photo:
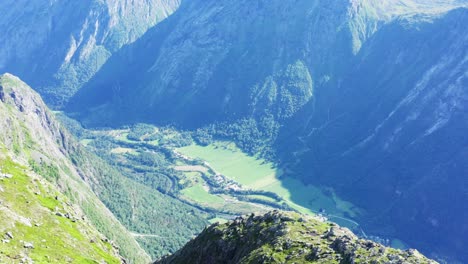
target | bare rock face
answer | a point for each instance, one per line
(2, 94)
(256, 239)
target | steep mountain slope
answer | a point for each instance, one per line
(392, 129)
(286, 238)
(34, 149)
(56, 46)
(239, 58)
(38, 223)
(209, 66)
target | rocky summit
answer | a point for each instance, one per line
(282, 237)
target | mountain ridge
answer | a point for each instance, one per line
(279, 237)
(32, 137)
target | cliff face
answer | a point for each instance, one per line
(286, 238)
(46, 199)
(57, 46)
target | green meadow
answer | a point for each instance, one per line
(199, 194)
(28, 211)
(254, 173)
(227, 159)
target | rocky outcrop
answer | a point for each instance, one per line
(286, 238)
(2, 94)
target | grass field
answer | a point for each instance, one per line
(191, 168)
(197, 193)
(227, 159)
(27, 211)
(85, 142)
(217, 220)
(121, 150)
(254, 173)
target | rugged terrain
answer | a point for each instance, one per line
(57, 46)
(392, 129)
(286, 238)
(238, 59)
(370, 98)
(48, 212)
(363, 99)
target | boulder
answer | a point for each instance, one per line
(28, 245)
(2, 94)
(8, 235)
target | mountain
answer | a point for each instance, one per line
(370, 97)
(239, 59)
(286, 238)
(48, 212)
(392, 129)
(40, 224)
(57, 46)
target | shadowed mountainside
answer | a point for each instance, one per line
(57, 46)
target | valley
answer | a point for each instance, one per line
(218, 179)
(161, 117)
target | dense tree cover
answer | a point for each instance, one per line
(139, 191)
(140, 130)
(178, 140)
(144, 208)
(254, 136)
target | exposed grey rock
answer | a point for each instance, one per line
(59, 214)
(2, 94)
(6, 176)
(9, 235)
(28, 245)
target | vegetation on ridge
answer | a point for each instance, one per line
(285, 238)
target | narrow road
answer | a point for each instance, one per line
(145, 235)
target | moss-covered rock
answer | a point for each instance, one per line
(280, 237)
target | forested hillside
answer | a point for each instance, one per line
(57, 46)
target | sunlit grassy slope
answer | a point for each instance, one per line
(200, 195)
(43, 226)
